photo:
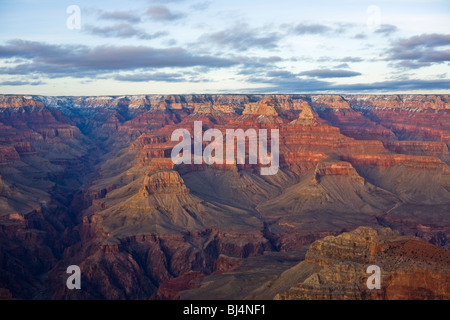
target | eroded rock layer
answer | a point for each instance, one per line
(410, 268)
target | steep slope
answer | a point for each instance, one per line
(44, 159)
(335, 268)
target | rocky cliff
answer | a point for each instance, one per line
(410, 268)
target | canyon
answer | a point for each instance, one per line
(89, 181)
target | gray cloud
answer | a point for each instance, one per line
(127, 16)
(342, 27)
(313, 28)
(80, 60)
(287, 85)
(156, 76)
(122, 30)
(344, 60)
(28, 49)
(329, 73)
(162, 13)
(20, 83)
(303, 28)
(268, 60)
(425, 40)
(281, 74)
(350, 59)
(200, 6)
(400, 85)
(386, 29)
(420, 51)
(161, 77)
(297, 85)
(360, 36)
(241, 37)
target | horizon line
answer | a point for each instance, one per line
(228, 94)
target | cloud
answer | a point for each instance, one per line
(304, 28)
(313, 28)
(27, 49)
(80, 61)
(360, 36)
(425, 40)
(386, 29)
(298, 85)
(342, 27)
(20, 83)
(267, 60)
(350, 59)
(329, 73)
(282, 81)
(145, 77)
(200, 6)
(122, 30)
(399, 85)
(286, 85)
(420, 51)
(281, 74)
(344, 60)
(241, 37)
(127, 16)
(161, 77)
(162, 13)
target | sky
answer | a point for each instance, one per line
(85, 47)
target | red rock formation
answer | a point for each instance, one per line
(435, 102)
(12, 101)
(329, 101)
(264, 107)
(162, 182)
(8, 154)
(337, 168)
(379, 160)
(410, 268)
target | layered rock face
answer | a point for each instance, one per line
(164, 182)
(90, 181)
(410, 268)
